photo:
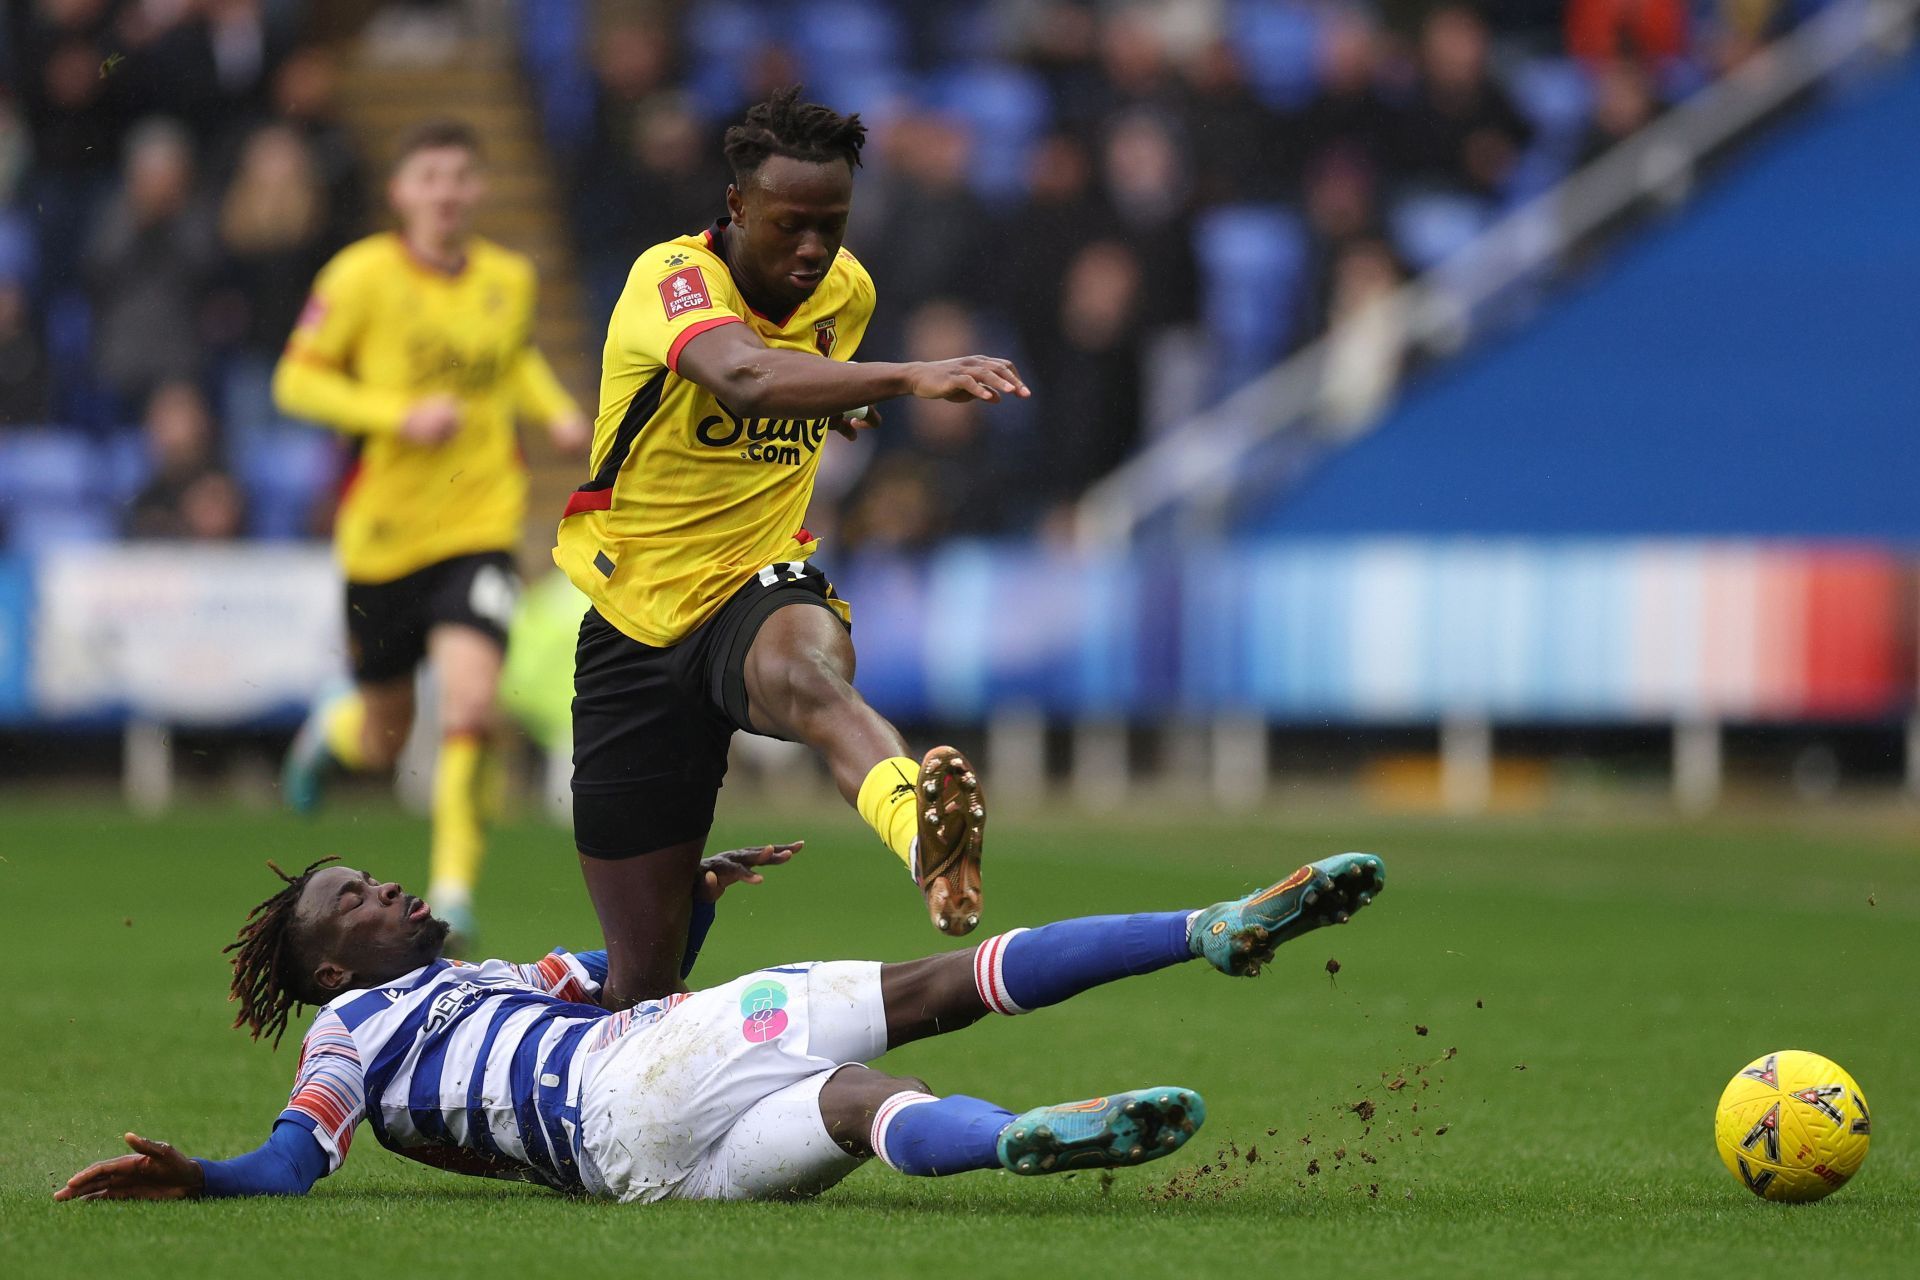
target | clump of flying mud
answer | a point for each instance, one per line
(1363, 1145)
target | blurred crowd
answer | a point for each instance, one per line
(172, 175)
(1144, 203)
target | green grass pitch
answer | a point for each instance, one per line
(1599, 983)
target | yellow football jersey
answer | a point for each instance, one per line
(384, 330)
(689, 499)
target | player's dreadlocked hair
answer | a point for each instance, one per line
(269, 975)
(785, 126)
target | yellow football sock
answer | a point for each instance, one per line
(886, 803)
(346, 727)
(459, 844)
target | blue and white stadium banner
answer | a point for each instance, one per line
(1420, 630)
(1300, 632)
(1356, 631)
(184, 634)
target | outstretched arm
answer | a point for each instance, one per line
(752, 378)
(287, 1164)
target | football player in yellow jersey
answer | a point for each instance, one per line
(728, 359)
(416, 342)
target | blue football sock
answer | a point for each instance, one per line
(930, 1137)
(1032, 968)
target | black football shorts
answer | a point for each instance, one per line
(388, 622)
(651, 725)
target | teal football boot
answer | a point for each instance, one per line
(303, 774)
(1238, 937)
(1102, 1133)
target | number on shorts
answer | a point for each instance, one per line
(786, 571)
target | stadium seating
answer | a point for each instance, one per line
(120, 466)
(284, 469)
(1557, 97)
(1251, 260)
(1431, 227)
(34, 527)
(1686, 390)
(1280, 44)
(1257, 295)
(69, 338)
(50, 490)
(1007, 109)
(719, 48)
(61, 486)
(19, 256)
(44, 466)
(834, 37)
(554, 44)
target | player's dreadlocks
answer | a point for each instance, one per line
(269, 978)
(785, 126)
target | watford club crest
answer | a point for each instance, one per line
(823, 335)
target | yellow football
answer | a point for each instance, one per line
(1792, 1126)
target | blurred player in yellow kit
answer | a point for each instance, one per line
(728, 359)
(417, 343)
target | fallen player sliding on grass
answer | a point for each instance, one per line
(755, 1089)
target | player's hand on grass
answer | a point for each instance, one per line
(432, 421)
(572, 435)
(740, 866)
(967, 378)
(852, 424)
(155, 1172)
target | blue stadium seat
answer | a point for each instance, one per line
(79, 398)
(958, 31)
(728, 30)
(19, 256)
(283, 471)
(69, 327)
(834, 37)
(871, 91)
(49, 466)
(721, 42)
(121, 464)
(553, 43)
(1252, 259)
(1555, 94)
(1008, 110)
(39, 526)
(1429, 229)
(1279, 42)
(713, 87)
(1682, 78)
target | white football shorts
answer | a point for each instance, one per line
(718, 1098)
